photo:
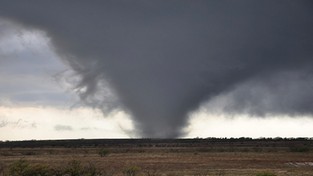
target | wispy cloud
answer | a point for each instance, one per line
(3, 123)
(63, 128)
(20, 123)
(88, 128)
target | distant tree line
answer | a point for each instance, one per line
(147, 142)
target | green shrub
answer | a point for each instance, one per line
(91, 170)
(38, 170)
(301, 149)
(74, 168)
(103, 152)
(131, 171)
(23, 168)
(18, 168)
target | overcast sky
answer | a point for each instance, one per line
(119, 69)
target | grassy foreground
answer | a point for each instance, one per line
(133, 160)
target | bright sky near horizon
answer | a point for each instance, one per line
(39, 100)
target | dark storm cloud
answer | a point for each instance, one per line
(290, 93)
(279, 93)
(164, 58)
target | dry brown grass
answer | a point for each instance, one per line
(162, 161)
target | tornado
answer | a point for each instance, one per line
(161, 60)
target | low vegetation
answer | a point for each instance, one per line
(103, 152)
(72, 168)
(149, 157)
(131, 171)
(300, 149)
(266, 174)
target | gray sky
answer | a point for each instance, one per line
(159, 62)
(28, 69)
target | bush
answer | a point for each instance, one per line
(19, 168)
(301, 149)
(23, 168)
(73, 168)
(103, 152)
(1, 169)
(28, 153)
(131, 171)
(38, 170)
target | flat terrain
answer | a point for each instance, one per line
(223, 158)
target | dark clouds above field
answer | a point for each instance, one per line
(162, 60)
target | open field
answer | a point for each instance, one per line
(162, 157)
